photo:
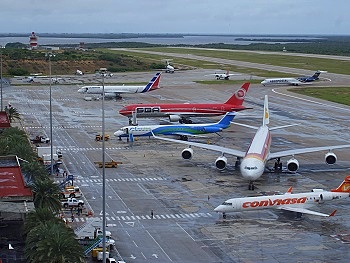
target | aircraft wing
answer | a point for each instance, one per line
(188, 134)
(215, 148)
(304, 211)
(296, 82)
(305, 150)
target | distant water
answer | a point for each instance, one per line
(186, 40)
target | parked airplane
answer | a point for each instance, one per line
(225, 76)
(253, 161)
(115, 91)
(183, 111)
(292, 81)
(291, 202)
(182, 130)
(168, 68)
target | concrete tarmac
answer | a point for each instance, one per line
(153, 175)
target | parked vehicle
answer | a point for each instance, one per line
(72, 202)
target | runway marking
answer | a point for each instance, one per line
(127, 219)
(63, 126)
(58, 181)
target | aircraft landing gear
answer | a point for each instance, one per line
(186, 121)
(251, 186)
(238, 162)
(278, 165)
(224, 215)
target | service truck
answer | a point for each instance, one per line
(44, 154)
(70, 191)
(72, 202)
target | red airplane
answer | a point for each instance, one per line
(183, 111)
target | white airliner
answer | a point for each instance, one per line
(292, 81)
(115, 91)
(253, 160)
(225, 76)
(298, 203)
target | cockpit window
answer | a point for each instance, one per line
(227, 203)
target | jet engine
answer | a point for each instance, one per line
(330, 158)
(174, 118)
(221, 163)
(292, 165)
(187, 153)
(323, 196)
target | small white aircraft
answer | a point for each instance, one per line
(115, 91)
(79, 72)
(168, 68)
(293, 81)
(298, 203)
(253, 161)
(226, 75)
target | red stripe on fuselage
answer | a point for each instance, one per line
(262, 155)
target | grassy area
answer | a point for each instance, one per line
(335, 94)
(179, 62)
(331, 65)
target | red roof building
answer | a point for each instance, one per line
(12, 186)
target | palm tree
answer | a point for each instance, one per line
(46, 195)
(12, 113)
(34, 171)
(40, 216)
(52, 243)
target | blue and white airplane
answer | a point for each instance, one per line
(293, 81)
(116, 91)
(182, 130)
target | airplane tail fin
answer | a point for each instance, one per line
(344, 187)
(153, 84)
(317, 74)
(266, 117)
(238, 97)
(226, 120)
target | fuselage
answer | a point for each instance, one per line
(280, 81)
(180, 109)
(111, 89)
(253, 163)
(184, 129)
(301, 200)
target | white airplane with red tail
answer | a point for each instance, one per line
(298, 203)
(253, 161)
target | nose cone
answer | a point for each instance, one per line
(220, 208)
(81, 90)
(119, 133)
(252, 168)
(263, 82)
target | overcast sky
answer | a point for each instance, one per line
(176, 16)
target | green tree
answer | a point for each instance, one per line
(12, 113)
(52, 243)
(46, 195)
(40, 216)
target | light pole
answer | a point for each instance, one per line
(1, 74)
(49, 55)
(103, 172)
